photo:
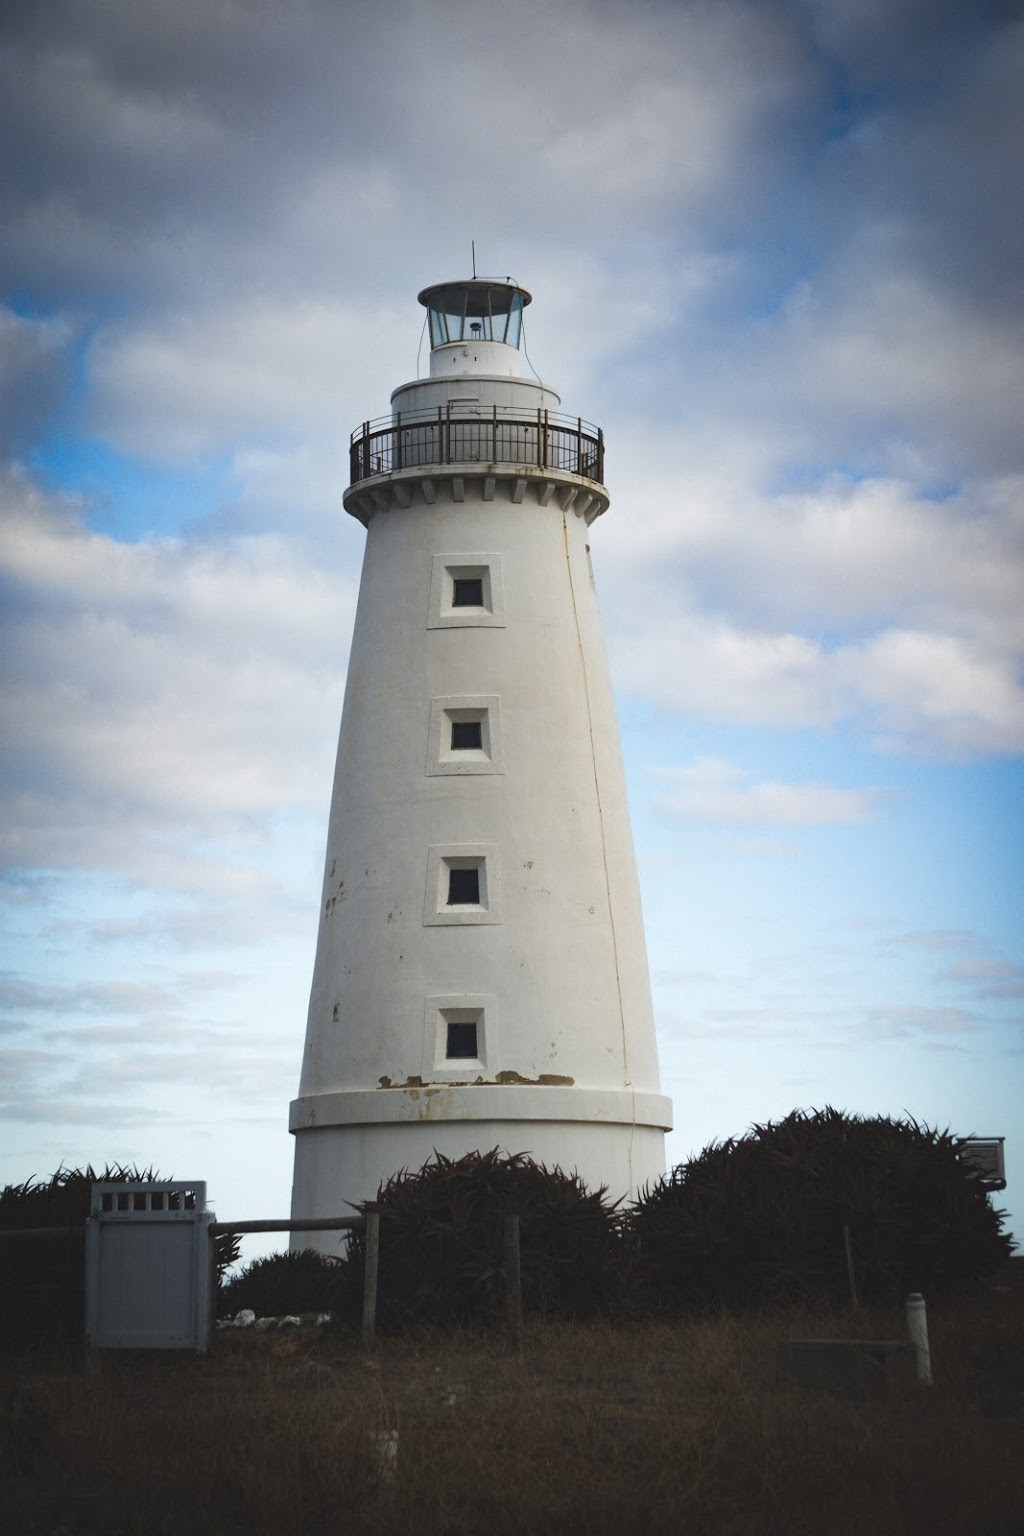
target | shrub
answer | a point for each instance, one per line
(761, 1219)
(283, 1283)
(442, 1233)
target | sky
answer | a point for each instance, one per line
(775, 248)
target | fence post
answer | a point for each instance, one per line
(851, 1273)
(917, 1331)
(370, 1276)
(513, 1280)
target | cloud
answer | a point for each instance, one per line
(224, 145)
(899, 1021)
(713, 666)
(23, 996)
(259, 371)
(989, 978)
(858, 602)
(161, 690)
(942, 940)
(938, 690)
(257, 240)
(34, 371)
(710, 789)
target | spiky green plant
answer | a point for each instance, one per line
(441, 1241)
(761, 1218)
(279, 1283)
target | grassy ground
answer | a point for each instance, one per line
(640, 1428)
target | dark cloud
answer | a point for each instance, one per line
(173, 149)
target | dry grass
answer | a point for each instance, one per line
(640, 1428)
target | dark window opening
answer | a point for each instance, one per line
(467, 591)
(467, 736)
(464, 887)
(461, 1042)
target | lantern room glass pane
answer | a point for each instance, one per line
(454, 301)
(438, 334)
(475, 312)
(515, 320)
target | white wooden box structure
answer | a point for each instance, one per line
(148, 1282)
(987, 1155)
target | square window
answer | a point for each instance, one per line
(460, 1038)
(464, 887)
(467, 592)
(464, 735)
(461, 1042)
(467, 736)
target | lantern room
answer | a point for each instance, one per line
(475, 326)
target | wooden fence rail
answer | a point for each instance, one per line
(370, 1223)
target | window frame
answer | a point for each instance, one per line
(449, 709)
(445, 570)
(443, 857)
(440, 1010)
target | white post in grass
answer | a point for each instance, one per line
(917, 1332)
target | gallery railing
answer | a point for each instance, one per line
(455, 434)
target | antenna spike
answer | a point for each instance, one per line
(473, 247)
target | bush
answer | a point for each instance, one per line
(284, 1283)
(441, 1242)
(761, 1219)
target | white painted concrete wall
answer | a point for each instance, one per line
(556, 966)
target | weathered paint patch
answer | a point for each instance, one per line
(545, 1080)
(503, 1080)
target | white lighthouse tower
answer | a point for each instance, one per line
(481, 974)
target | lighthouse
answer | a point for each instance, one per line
(481, 974)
